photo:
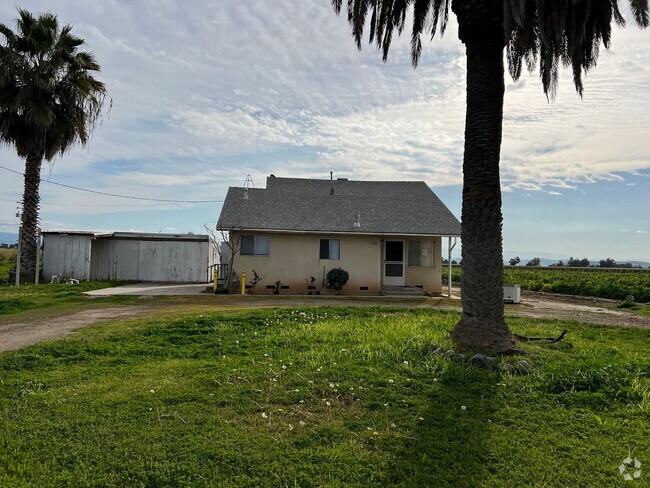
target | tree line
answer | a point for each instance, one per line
(575, 263)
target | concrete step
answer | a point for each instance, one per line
(410, 291)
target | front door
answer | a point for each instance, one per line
(394, 263)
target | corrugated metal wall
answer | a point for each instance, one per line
(149, 260)
(67, 255)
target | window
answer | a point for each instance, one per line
(254, 245)
(415, 250)
(330, 249)
(420, 253)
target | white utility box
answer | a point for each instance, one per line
(512, 293)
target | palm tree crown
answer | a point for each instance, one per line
(547, 33)
(49, 101)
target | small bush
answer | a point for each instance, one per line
(336, 278)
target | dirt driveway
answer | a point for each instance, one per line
(15, 335)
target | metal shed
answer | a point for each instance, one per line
(181, 258)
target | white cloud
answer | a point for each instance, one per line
(641, 231)
(526, 186)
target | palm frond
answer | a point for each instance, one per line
(556, 33)
(49, 99)
(388, 17)
(640, 12)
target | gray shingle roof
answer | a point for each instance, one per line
(304, 205)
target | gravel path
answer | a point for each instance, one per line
(18, 335)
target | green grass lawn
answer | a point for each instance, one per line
(320, 397)
(28, 297)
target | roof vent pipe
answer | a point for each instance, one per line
(332, 191)
(246, 193)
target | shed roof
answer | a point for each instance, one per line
(309, 205)
(155, 236)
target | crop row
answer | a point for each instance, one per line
(609, 283)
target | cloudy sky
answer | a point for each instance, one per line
(205, 93)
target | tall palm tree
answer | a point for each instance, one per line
(49, 101)
(540, 32)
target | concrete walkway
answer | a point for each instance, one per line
(151, 289)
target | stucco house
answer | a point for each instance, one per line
(383, 233)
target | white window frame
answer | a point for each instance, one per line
(331, 249)
(258, 245)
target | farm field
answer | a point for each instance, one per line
(7, 260)
(617, 284)
(332, 396)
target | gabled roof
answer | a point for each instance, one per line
(306, 205)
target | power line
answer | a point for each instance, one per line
(90, 204)
(164, 200)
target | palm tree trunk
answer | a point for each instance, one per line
(482, 326)
(31, 203)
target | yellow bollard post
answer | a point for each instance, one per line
(243, 282)
(215, 278)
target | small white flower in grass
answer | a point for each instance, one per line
(435, 380)
(406, 362)
(150, 409)
(236, 342)
(391, 381)
(463, 407)
(302, 423)
(266, 355)
(264, 416)
(284, 366)
(290, 427)
(393, 425)
(152, 391)
(327, 403)
(223, 356)
(331, 385)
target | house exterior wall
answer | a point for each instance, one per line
(429, 274)
(293, 258)
(149, 260)
(66, 255)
